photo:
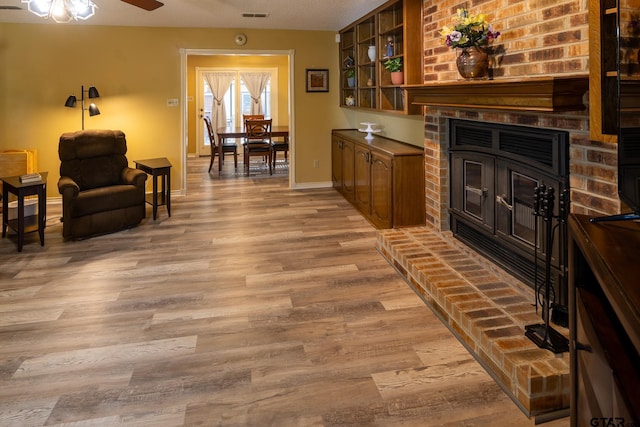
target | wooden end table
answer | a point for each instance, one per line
(161, 168)
(21, 225)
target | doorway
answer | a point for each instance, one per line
(192, 123)
(237, 101)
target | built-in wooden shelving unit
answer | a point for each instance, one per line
(398, 22)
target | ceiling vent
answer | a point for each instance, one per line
(254, 15)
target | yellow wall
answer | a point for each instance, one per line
(136, 71)
(280, 62)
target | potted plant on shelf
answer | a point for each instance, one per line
(394, 66)
(350, 73)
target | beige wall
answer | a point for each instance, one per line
(136, 71)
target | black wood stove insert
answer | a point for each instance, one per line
(509, 195)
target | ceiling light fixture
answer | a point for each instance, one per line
(62, 10)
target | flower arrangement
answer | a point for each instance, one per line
(469, 31)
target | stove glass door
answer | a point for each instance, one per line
(523, 220)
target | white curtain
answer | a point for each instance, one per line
(256, 83)
(219, 82)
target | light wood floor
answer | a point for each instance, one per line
(253, 305)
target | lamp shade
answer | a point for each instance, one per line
(93, 110)
(71, 101)
(93, 92)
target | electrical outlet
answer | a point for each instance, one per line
(172, 102)
(316, 164)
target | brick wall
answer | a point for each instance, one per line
(539, 37)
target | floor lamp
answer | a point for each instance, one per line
(92, 92)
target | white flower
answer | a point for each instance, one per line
(455, 36)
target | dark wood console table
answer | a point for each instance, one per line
(24, 224)
(604, 322)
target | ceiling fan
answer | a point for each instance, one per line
(148, 5)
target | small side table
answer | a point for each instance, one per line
(159, 167)
(21, 225)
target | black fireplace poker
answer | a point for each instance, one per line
(543, 335)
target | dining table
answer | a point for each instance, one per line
(240, 132)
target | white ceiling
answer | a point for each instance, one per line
(330, 15)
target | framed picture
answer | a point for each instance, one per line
(317, 80)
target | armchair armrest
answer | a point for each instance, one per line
(134, 176)
(69, 190)
(68, 187)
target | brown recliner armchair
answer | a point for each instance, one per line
(100, 192)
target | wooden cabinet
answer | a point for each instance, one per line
(381, 194)
(336, 162)
(383, 178)
(362, 175)
(394, 30)
(342, 162)
(604, 322)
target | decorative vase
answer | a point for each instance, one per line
(351, 81)
(472, 63)
(372, 53)
(397, 77)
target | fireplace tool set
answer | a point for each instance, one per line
(543, 335)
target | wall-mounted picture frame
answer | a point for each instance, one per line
(317, 80)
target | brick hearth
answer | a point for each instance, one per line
(487, 309)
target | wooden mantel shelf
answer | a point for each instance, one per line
(547, 94)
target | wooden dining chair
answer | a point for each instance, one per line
(257, 142)
(246, 117)
(227, 147)
(279, 145)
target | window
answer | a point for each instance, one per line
(237, 100)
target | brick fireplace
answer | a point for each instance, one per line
(486, 308)
(544, 78)
(592, 165)
(537, 40)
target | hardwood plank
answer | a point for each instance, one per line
(253, 304)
